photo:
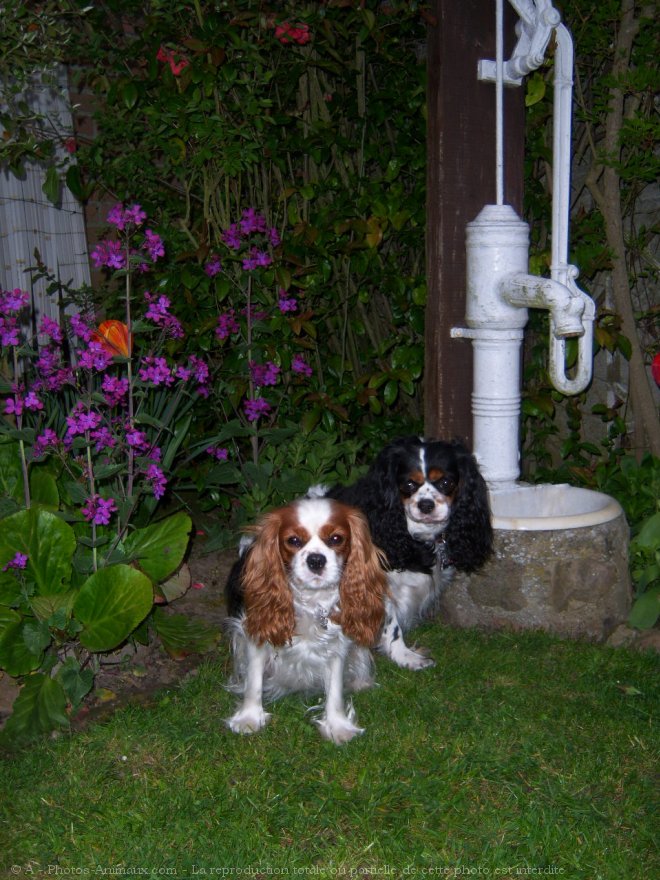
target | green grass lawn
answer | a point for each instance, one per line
(517, 755)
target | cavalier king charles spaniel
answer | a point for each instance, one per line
(305, 602)
(428, 511)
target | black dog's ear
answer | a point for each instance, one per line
(469, 535)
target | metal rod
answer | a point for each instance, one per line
(499, 103)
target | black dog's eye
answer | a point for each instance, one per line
(294, 541)
(410, 487)
(445, 485)
(335, 540)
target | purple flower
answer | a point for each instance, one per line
(254, 409)
(227, 324)
(213, 267)
(99, 510)
(43, 442)
(156, 371)
(81, 327)
(137, 439)
(96, 357)
(256, 259)
(103, 438)
(232, 237)
(218, 452)
(51, 328)
(14, 405)
(121, 218)
(32, 401)
(287, 304)
(251, 221)
(18, 562)
(157, 479)
(158, 312)
(9, 331)
(153, 245)
(264, 374)
(114, 389)
(110, 254)
(13, 301)
(300, 366)
(274, 237)
(81, 420)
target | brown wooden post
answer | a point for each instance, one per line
(460, 181)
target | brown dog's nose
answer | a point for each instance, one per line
(316, 562)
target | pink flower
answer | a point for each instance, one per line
(43, 442)
(287, 32)
(114, 390)
(655, 369)
(177, 62)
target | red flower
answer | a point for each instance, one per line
(177, 62)
(113, 336)
(655, 369)
(293, 33)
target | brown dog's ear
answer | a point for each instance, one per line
(363, 586)
(268, 599)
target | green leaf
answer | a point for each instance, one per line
(110, 604)
(182, 636)
(646, 609)
(77, 682)
(160, 547)
(44, 607)
(535, 90)
(43, 489)
(129, 94)
(37, 637)
(11, 477)
(649, 535)
(49, 544)
(15, 656)
(39, 708)
(51, 185)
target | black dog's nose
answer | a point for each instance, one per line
(316, 562)
(426, 505)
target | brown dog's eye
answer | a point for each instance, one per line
(335, 540)
(294, 541)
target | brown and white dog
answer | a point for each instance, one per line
(305, 603)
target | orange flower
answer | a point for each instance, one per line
(115, 338)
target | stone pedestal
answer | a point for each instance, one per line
(573, 582)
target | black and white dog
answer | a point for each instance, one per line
(427, 507)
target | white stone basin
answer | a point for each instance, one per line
(538, 508)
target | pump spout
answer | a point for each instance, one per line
(533, 292)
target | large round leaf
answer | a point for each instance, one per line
(49, 544)
(159, 548)
(110, 604)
